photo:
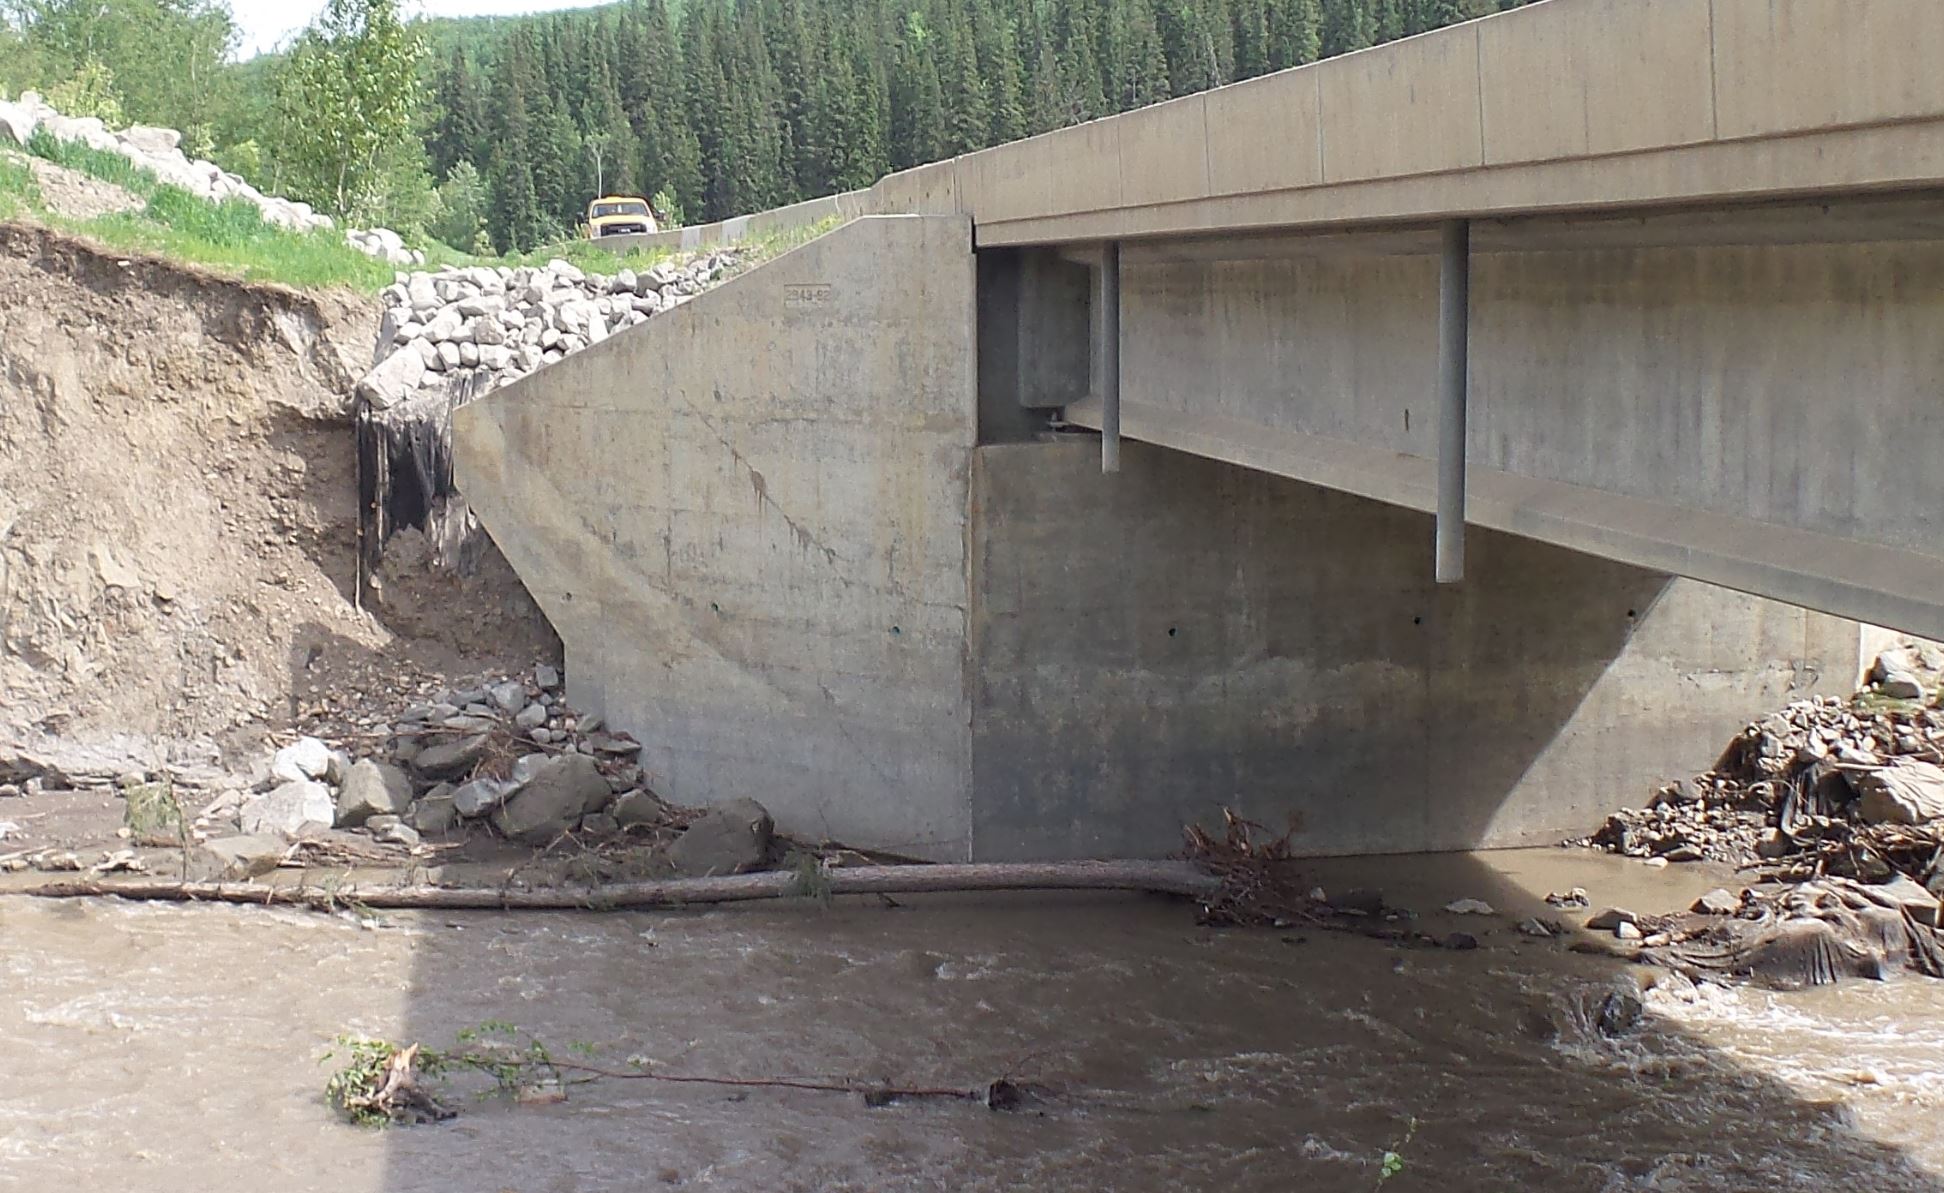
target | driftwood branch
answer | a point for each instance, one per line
(1165, 877)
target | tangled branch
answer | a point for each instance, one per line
(381, 1083)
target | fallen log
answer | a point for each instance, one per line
(1164, 877)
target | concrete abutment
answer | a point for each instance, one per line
(807, 538)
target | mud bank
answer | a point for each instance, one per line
(178, 509)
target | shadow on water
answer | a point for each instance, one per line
(1177, 1056)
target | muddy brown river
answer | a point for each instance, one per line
(163, 1048)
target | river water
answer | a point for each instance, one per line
(151, 1047)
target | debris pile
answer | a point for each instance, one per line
(507, 759)
(1835, 810)
(1791, 936)
(509, 753)
(1853, 788)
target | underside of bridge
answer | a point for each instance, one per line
(1744, 395)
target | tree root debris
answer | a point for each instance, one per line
(380, 1083)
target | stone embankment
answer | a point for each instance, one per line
(159, 151)
(493, 325)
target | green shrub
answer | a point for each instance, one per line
(91, 92)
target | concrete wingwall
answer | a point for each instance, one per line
(747, 519)
(1151, 646)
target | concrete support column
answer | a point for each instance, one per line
(1454, 362)
(1107, 317)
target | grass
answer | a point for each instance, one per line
(586, 254)
(230, 237)
(774, 244)
(1870, 702)
(19, 195)
(95, 163)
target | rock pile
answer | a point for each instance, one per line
(508, 754)
(1824, 785)
(496, 325)
(384, 244)
(510, 750)
(159, 151)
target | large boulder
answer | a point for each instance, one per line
(17, 122)
(485, 330)
(444, 326)
(423, 294)
(576, 315)
(731, 839)
(451, 759)
(561, 791)
(150, 139)
(305, 758)
(1896, 676)
(396, 378)
(1905, 792)
(290, 810)
(436, 811)
(246, 856)
(372, 789)
(478, 797)
(640, 806)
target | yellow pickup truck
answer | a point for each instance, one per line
(618, 215)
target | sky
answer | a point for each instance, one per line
(264, 23)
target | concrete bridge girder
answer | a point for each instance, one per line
(1743, 396)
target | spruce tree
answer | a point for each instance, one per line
(1436, 14)
(1081, 94)
(996, 40)
(1250, 20)
(917, 103)
(1294, 35)
(608, 138)
(1345, 27)
(459, 130)
(1387, 20)
(962, 89)
(1144, 78)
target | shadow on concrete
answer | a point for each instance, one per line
(1187, 635)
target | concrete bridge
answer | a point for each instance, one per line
(1083, 485)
